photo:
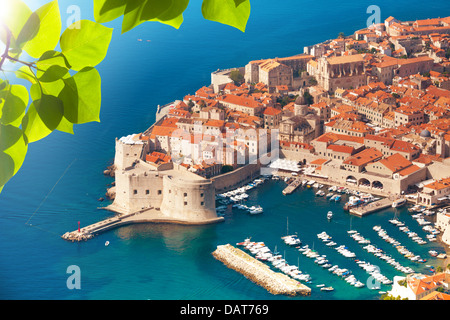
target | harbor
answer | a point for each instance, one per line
(275, 282)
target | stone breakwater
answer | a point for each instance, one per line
(258, 272)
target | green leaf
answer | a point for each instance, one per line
(52, 88)
(167, 12)
(25, 73)
(230, 12)
(49, 26)
(15, 101)
(108, 10)
(43, 116)
(163, 10)
(238, 2)
(13, 149)
(81, 96)
(6, 168)
(65, 126)
(86, 46)
(14, 15)
(132, 15)
(52, 66)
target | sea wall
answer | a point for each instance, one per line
(236, 178)
(258, 272)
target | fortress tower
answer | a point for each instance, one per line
(128, 150)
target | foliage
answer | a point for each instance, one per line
(64, 86)
(309, 98)
(312, 81)
(237, 77)
(226, 168)
(387, 296)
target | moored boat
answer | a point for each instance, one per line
(398, 203)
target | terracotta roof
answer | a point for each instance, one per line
(270, 111)
(364, 157)
(341, 148)
(241, 101)
(319, 161)
(436, 295)
(395, 162)
(157, 157)
(407, 171)
(440, 184)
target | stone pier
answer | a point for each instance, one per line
(258, 272)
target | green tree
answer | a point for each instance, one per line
(341, 35)
(64, 85)
(226, 168)
(237, 77)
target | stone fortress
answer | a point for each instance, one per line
(173, 194)
(167, 192)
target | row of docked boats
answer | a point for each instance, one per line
(359, 200)
(237, 196)
(261, 252)
(422, 209)
(371, 248)
(256, 209)
(395, 243)
(413, 235)
(322, 261)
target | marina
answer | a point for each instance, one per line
(230, 204)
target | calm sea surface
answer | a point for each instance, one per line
(62, 179)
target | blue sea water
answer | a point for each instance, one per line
(61, 179)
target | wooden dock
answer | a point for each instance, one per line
(371, 207)
(258, 272)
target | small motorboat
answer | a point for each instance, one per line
(327, 289)
(106, 243)
(329, 215)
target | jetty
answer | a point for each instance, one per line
(274, 282)
(371, 207)
(292, 186)
(148, 215)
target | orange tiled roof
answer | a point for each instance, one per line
(270, 111)
(395, 162)
(440, 184)
(364, 157)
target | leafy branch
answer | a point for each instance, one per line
(64, 86)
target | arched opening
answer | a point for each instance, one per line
(351, 180)
(363, 182)
(377, 185)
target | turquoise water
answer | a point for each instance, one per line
(61, 180)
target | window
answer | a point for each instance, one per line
(185, 203)
(202, 203)
(159, 192)
(147, 191)
(134, 191)
(185, 194)
(201, 195)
